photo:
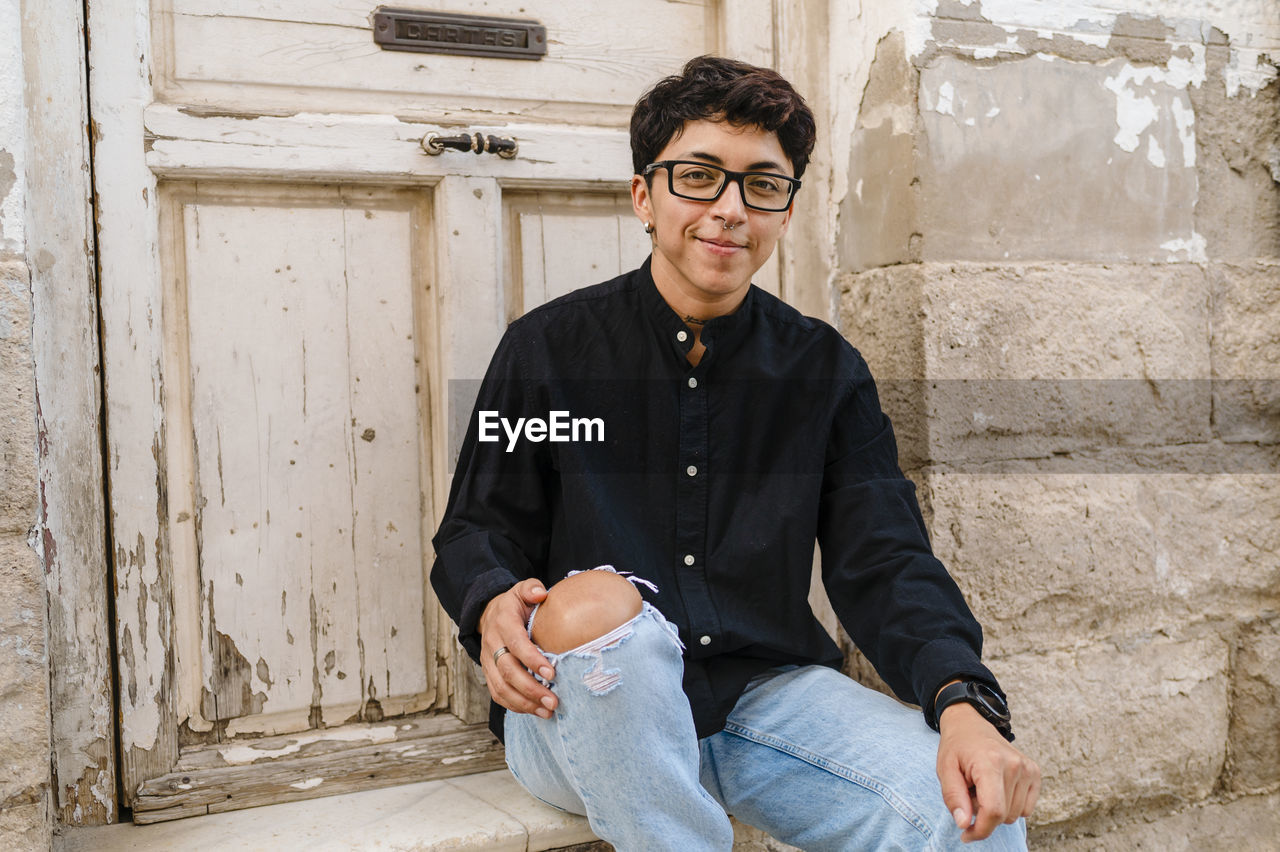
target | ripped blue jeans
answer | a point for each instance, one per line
(808, 755)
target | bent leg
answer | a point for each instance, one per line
(822, 762)
(621, 746)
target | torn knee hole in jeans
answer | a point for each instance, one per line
(598, 679)
(629, 576)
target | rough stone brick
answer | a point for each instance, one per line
(1022, 159)
(1238, 161)
(26, 828)
(1138, 721)
(879, 217)
(999, 142)
(24, 677)
(17, 402)
(1245, 351)
(881, 314)
(979, 362)
(1046, 559)
(1255, 708)
(1249, 824)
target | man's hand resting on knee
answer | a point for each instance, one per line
(982, 773)
(503, 625)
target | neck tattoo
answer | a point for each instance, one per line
(694, 320)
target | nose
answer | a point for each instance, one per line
(729, 207)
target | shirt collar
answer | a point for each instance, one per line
(720, 334)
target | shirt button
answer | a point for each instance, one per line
(682, 336)
(705, 640)
(691, 470)
(693, 383)
(688, 559)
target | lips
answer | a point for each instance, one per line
(722, 243)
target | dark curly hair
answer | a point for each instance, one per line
(719, 89)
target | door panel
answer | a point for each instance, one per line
(599, 57)
(562, 241)
(305, 381)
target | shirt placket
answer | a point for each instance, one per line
(692, 496)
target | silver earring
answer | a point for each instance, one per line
(648, 227)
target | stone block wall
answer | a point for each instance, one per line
(25, 815)
(25, 820)
(1059, 252)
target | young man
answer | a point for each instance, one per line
(736, 432)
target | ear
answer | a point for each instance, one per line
(640, 200)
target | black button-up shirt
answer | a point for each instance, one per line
(713, 482)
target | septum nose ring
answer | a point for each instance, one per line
(727, 226)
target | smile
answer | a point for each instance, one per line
(721, 246)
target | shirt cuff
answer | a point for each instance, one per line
(483, 589)
(941, 661)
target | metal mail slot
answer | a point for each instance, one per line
(468, 35)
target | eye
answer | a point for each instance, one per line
(698, 174)
(766, 184)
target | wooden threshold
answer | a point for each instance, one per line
(247, 773)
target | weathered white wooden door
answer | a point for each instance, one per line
(289, 285)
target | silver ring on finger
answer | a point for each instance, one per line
(498, 653)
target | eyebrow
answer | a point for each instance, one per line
(714, 160)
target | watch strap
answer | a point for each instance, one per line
(983, 698)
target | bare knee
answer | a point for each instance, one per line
(584, 607)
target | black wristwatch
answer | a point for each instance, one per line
(987, 701)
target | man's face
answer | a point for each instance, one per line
(693, 249)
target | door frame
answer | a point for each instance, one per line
(70, 530)
(119, 89)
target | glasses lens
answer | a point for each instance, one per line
(766, 191)
(695, 180)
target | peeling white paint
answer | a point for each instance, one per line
(1154, 153)
(1184, 118)
(1010, 46)
(450, 760)
(1248, 69)
(946, 99)
(1182, 72)
(1136, 88)
(13, 131)
(239, 755)
(1134, 112)
(1251, 26)
(141, 725)
(1187, 249)
(308, 784)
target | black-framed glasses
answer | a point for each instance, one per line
(704, 182)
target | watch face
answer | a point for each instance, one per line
(991, 699)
